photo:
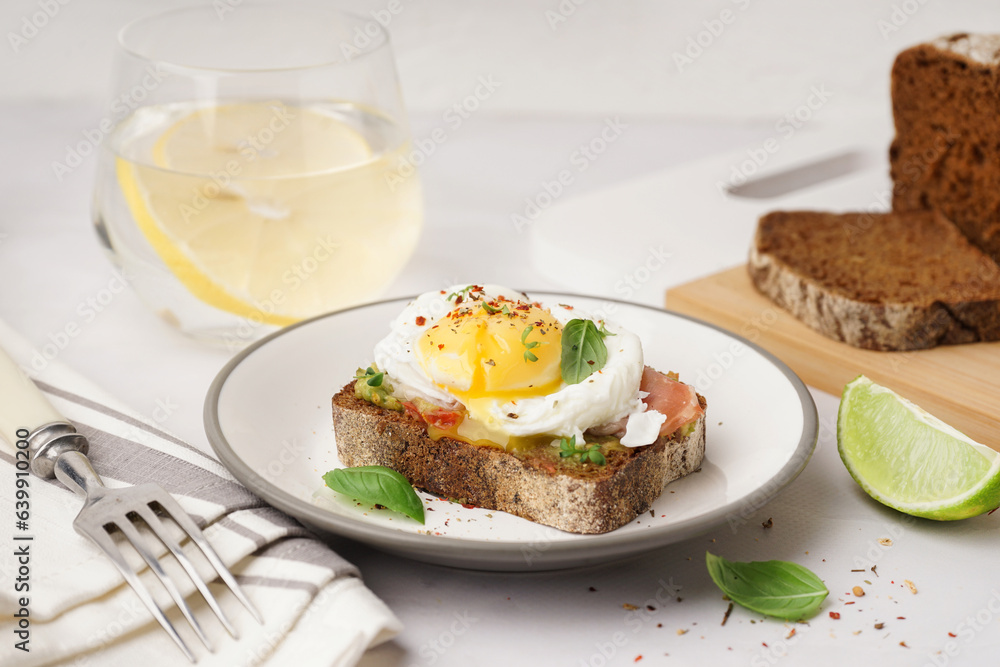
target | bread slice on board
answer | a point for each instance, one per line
(946, 152)
(879, 281)
(579, 498)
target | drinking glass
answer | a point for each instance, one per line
(256, 170)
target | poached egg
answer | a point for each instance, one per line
(495, 355)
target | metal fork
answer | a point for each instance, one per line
(57, 449)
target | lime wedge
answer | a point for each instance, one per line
(908, 459)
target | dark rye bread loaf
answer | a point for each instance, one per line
(579, 498)
(946, 152)
(892, 281)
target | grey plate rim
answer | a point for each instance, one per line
(483, 554)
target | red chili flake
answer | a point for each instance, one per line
(903, 644)
(441, 346)
(952, 634)
(638, 658)
(468, 506)
(421, 320)
(901, 618)
(790, 634)
(851, 602)
(442, 291)
(764, 644)
(835, 615)
(522, 306)
(566, 307)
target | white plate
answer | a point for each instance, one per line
(267, 415)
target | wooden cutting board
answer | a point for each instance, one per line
(959, 384)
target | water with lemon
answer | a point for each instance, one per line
(235, 219)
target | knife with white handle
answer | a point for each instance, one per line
(26, 415)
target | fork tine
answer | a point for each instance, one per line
(108, 546)
(177, 513)
(154, 523)
(133, 536)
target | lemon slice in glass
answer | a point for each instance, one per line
(258, 209)
(906, 458)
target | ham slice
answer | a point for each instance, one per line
(676, 400)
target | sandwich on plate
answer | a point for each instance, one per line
(485, 396)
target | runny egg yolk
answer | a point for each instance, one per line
(489, 351)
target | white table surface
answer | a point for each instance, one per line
(51, 267)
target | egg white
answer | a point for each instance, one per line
(606, 396)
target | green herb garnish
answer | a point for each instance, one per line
(774, 587)
(592, 454)
(377, 485)
(372, 386)
(464, 292)
(583, 350)
(505, 309)
(490, 309)
(529, 346)
(372, 377)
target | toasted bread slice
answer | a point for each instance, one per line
(537, 485)
(881, 281)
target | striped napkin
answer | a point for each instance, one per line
(316, 609)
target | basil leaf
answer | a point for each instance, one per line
(377, 485)
(583, 351)
(774, 587)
